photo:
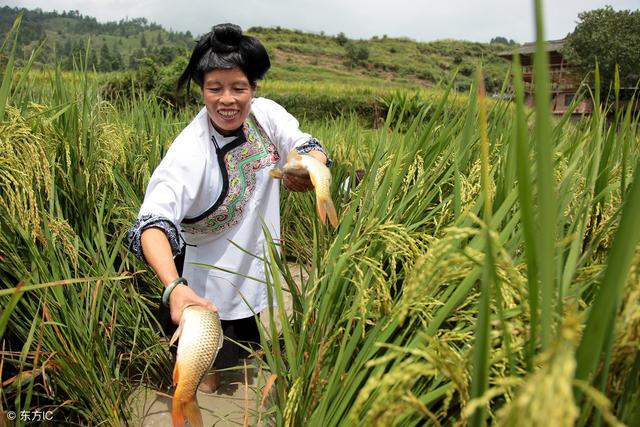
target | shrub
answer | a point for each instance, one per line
(357, 53)
(151, 78)
(341, 39)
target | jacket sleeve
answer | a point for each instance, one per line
(285, 130)
(171, 192)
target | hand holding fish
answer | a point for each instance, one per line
(158, 254)
(182, 297)
(301, 181)
(303, 166)
(297, 183)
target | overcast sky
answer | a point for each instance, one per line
(476, 20)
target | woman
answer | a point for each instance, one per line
(207, 199)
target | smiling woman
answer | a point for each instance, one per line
(227, 96)
(208, 198)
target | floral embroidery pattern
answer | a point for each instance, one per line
(242, 164)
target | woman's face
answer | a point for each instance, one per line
(227, 95)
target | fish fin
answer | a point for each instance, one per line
(176, 374)
(176, 334)
(276, 173)
(331, 212)
(193, 413)
(322, 210)
(220, 341)
(177, 405)
(326, 208)
(177, 413)
(184, 409)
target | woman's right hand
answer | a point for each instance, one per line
(183, 296)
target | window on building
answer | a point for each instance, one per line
(568, 98)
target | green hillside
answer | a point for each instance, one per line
(296, 56)
(113, 46)
(401, 61)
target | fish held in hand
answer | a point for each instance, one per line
(201, 337)
(308, 166)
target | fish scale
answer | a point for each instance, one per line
(201, 337)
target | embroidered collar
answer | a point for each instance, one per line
(238, 136)
(239, 163)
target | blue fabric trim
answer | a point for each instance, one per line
(153, 221)
(313, 145)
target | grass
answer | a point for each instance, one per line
(479, 274)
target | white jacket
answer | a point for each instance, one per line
(189, 181)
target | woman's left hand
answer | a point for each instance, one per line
(302, 183)
(297, 183)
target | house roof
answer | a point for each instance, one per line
(530, 48)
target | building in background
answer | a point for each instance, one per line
(565, 79)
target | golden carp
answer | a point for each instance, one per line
(201, 337)
(308, 166)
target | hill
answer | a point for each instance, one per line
(399, 61)
(112, 46)
(296, 55)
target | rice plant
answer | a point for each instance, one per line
(443, 241)
(77, 322)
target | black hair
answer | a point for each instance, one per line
(225, 47)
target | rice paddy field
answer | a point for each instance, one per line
(486, 269)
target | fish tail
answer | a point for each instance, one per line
(192, 411)
(177, 407)
(177, 413)
(185, 409)
(333, 216)
(326, 208)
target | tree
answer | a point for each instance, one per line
(67, 48)
(105, 58)
(357, 53)
(608, 38)
(341, 39)
(116, 60)
(166, 54)
(135, 59)
(503, 40)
